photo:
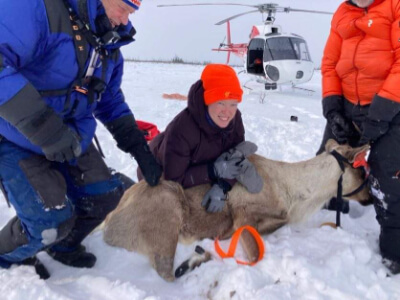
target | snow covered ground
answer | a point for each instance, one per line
(303, 261)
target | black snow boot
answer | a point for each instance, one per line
(40, 269)
(78, 258)
(332, 205)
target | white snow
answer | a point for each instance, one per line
(49, 236)
(303, 261)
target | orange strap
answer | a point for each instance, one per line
(235, 240)
(81, 90)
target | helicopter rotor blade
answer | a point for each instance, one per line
(288, 9)
(198, 4)
(270, 8)
(236, 16)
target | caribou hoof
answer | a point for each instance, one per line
(200, 256)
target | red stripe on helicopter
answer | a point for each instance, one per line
(254, 32)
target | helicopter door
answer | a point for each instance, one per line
(255, 54)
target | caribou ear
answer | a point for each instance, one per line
(331, 145)
(352, 153)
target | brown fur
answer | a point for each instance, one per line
(150, 220)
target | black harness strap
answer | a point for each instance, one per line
(83, 11)
(339, 196)
(59, 22)
(82, 26)
(81, 37)
(359, 189)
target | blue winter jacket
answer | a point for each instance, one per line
(33, 50)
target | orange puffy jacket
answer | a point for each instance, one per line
(362, 54)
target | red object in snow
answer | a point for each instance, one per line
(150, 130)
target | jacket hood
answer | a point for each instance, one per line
(376, 2)
(197, 109)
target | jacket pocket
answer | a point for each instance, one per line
(49, 183)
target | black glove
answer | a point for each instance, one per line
(63, 146)
(41, 125)
(380, 115)
(151, 170)
(372, 131)
(214, 199)
(131, 139)
(342, 128)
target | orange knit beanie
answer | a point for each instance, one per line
(220, 83)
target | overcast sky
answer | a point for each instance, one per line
(190, 33)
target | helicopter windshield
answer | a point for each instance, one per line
(282, 48)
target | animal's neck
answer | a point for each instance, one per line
(310, 184)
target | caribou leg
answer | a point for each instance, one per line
(200, 256)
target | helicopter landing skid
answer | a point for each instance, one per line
(261, 95)
(303, 89)
(245, 86)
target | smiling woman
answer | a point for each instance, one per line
(196, 146)
(222, 93)
(222, 112)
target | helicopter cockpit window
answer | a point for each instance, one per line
(281, 48)
(300, 47)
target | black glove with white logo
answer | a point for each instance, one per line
(131, 139)
(41, 125)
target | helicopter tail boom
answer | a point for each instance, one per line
(239, 50)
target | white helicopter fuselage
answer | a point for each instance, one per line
(271, 56)
(285, 57)
(294, 72)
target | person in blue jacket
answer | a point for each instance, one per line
(60, 70)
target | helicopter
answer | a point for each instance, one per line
(271, 56)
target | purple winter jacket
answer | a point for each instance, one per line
(190, 142)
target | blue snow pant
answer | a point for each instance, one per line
(384, 179)
(57, 204)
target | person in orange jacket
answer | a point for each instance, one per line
(361, 102)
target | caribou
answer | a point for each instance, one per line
(152, 220)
